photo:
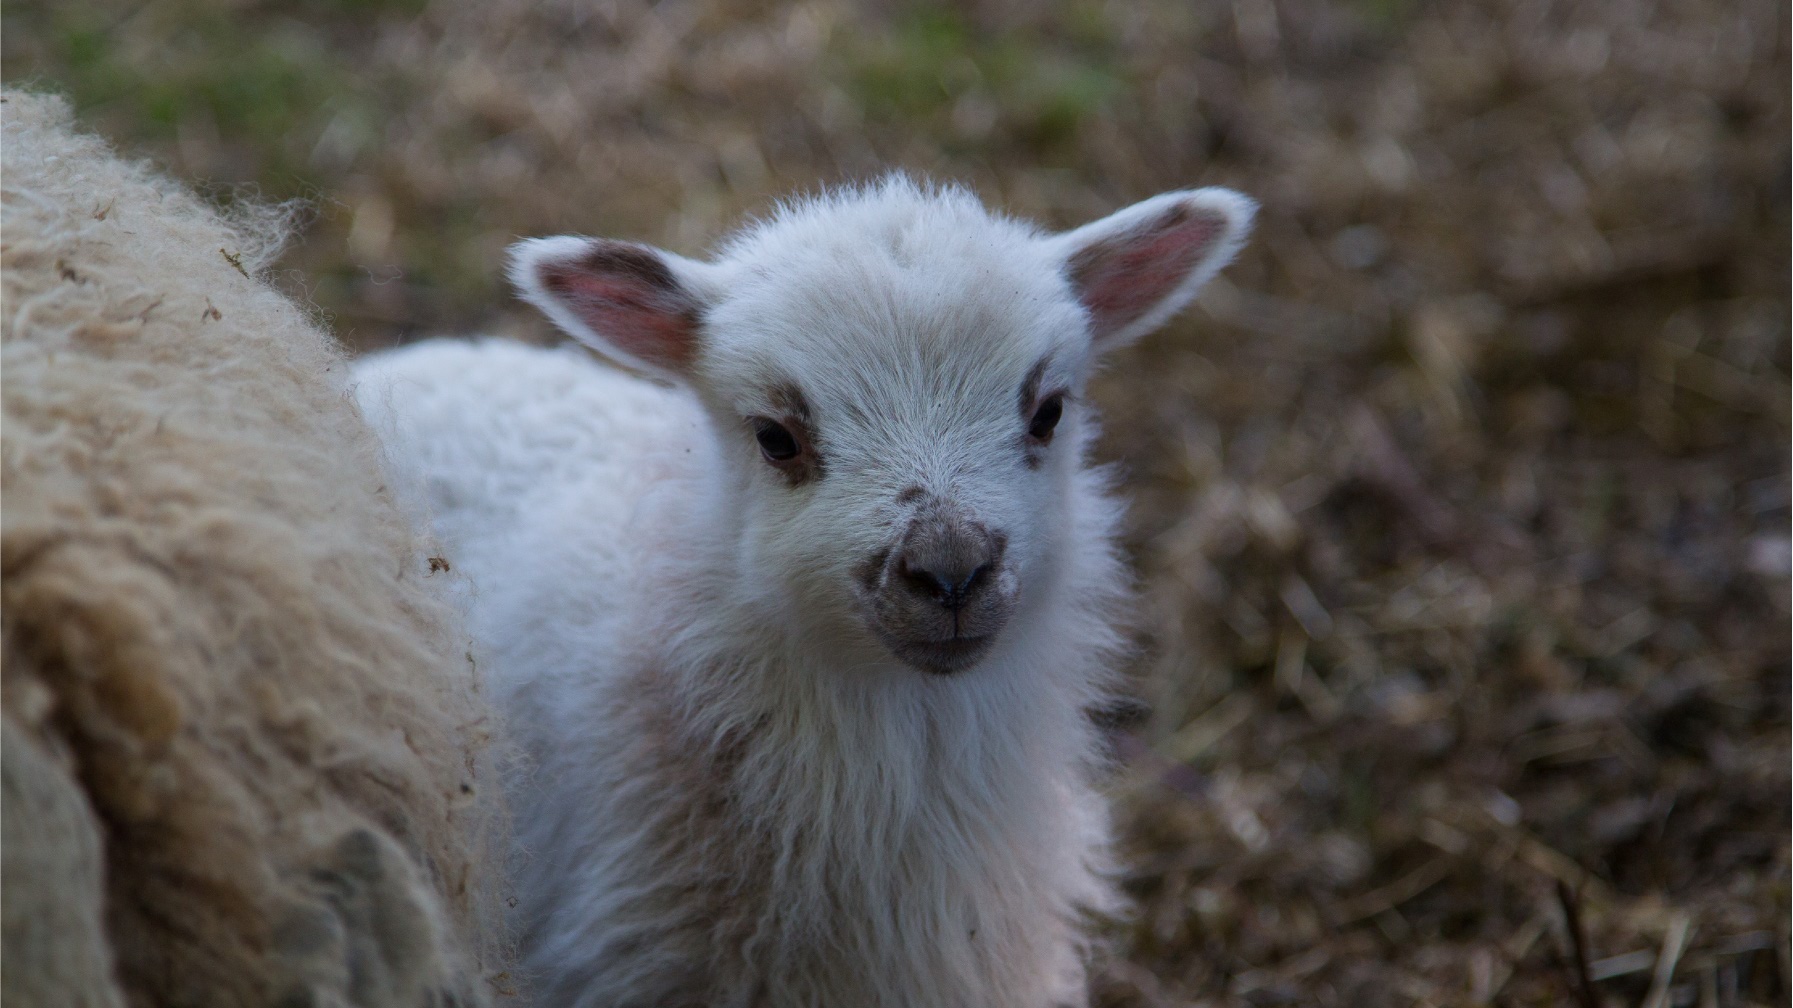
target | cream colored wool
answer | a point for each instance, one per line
(242, 728)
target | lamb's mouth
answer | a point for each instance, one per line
(940, 657)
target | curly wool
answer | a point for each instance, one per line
(244, 740)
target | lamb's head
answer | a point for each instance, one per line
(895, 374)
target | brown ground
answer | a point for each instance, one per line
(1462, 500)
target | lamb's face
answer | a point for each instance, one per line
(896, 377)
(903, 435)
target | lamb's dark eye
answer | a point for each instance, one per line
(1046, 417)
(777, 442)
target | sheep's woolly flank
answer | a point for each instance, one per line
(820, 741)
(243, 740)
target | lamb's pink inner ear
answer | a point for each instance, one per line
(627, 295)
(1121, 278)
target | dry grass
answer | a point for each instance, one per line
(1462, 503)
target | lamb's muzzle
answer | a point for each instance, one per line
(941, 597)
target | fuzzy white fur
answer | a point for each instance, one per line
(738, 796)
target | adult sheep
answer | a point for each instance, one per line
(242, 737)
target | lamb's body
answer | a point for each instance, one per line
(489, 430)
(844, 835)
(739, 795)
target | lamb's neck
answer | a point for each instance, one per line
(804, 701)
(861, 729)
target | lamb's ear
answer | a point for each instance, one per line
(638, 305)
(1133, 269)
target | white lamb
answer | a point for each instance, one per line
(803, 644)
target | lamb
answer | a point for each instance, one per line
(244, 748)
(802, 635)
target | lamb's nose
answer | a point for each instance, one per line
(948, 558)
(950, 585)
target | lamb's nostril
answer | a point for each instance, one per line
(948, 588)
(972, 580)
(921, 580)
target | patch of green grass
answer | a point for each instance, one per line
(1384, 15)
(268, 86)
(1041, 84)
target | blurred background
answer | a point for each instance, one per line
(1461, 500)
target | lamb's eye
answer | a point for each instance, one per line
(776, 442)
(1046, 417)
